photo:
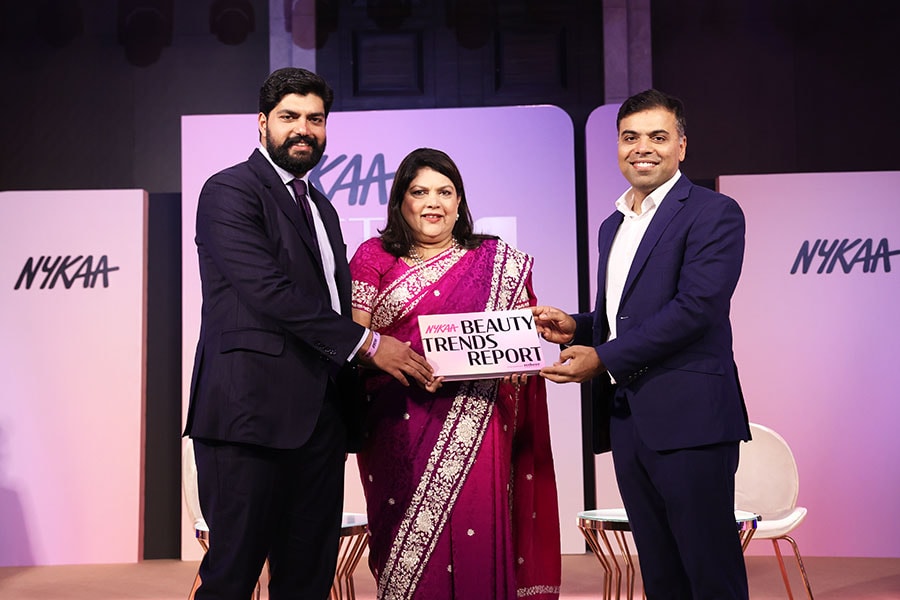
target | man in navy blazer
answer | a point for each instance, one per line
(269, 400)
(658, 350)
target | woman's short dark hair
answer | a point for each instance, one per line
(397, 236)
(293, 80)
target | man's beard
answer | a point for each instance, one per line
(281, 155)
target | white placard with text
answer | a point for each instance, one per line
(481, 345)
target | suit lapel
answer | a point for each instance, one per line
(608, 230)
(664, 215)
(283, 199)
(286, 204)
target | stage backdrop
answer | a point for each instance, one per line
(815, 323)
(71, 362)
(517, 165)
(605, 183)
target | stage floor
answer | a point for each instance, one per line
(831, 578)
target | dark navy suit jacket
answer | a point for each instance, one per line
(672, 357)
(269, 339)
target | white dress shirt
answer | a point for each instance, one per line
(324, 246)
(625, 244)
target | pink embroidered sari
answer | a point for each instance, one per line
(459, 485)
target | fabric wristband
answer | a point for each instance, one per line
(376, 338)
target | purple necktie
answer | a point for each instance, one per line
(300, 190)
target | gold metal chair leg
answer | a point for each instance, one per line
(746, 536)
(784, 575)
(194, 587)
(204, 543)
(803, 575)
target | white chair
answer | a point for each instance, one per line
(768, 483)
(191, 495)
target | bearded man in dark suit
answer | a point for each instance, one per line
(277, 350)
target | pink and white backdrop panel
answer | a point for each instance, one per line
(605, 183)
(816, 341)
(518, 167)
(71, 362)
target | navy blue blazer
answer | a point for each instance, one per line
(672, 356)
(269, 338)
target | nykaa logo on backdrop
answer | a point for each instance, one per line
(52, 271)
(352, 179)
(859, 255)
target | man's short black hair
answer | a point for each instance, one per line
(293, 80)
(649, 99)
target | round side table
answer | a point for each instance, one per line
(594, 525)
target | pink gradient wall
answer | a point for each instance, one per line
(518, 168)
(605, 184)
(818, 352)
(71, 363)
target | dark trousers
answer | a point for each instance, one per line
(680, 504)
(284, 505)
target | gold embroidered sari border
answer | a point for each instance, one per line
(445, 473)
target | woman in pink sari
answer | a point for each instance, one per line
(458, 478)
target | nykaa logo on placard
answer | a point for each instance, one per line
(51, 271)
(863, 255)
(440, 328)
(351, 178)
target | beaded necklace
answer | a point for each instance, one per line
(419, 260)
(431, 272)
